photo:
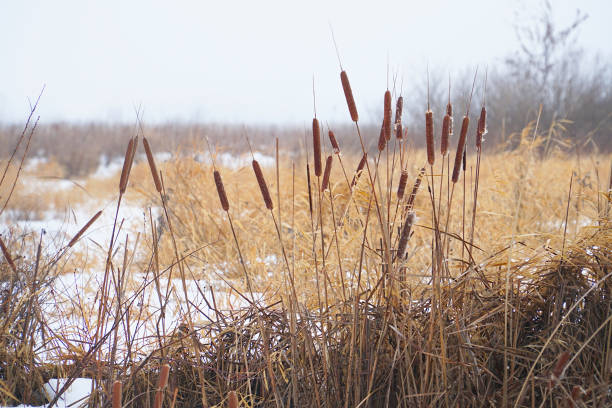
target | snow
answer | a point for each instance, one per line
(75, 396)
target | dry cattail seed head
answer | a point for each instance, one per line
(399, 132)
(127, 164)
(559, 368)
(360, 167)
(399, 106)
(117, 390)
(309, 188)
(401, 188)
(348, 94)
(334, 142)
(263, 187)
(445, 135)
(464, 160)
(221, 191)
(161, 384)
(85, 228)
(387, 115)
(482, 127)
(328, 165)
(415, 189)
(405, 235)
(460, 147)
(232, 400)
(152, 166)
(449, 112)
(316, 145)
(431, 154)
(7, 255)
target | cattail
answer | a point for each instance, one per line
(431, 155)
(221, 191)
(348, 94)
(460, 147)
(161, 384)
(309, 188)
(399, 132)
(402, 184)
(117, 389)
(464, 161)
(399, 106)
(360, 167)
(127, 164)
(577, 394)
(482, 127)
(445, 134)
(449, 112)
(85, 228)
(152, 166)
(415, 188)
(559, 368)
(316, 145)
(334, 142)
(405, 235)
(232, 400)
(262, 185)
(7, 255)
(382, 139)
(328, 165)
(387, 115)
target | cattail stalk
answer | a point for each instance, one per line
(316, 145)
(221, 191)
(85, 228)
(263, 187)
(152, 166)
(117, 390)
(328, 166)
(460, 147)
(161, 384)
(429, 135)
(348, 94)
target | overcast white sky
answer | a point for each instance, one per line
(245, 61)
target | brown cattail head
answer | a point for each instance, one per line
(85, 228)
(559, 368)
(399, 132)
(415, 189)
(334, 142)
(348, 94)
(309, 188)
(464, 160)
(161, 384)
(117, 390)
(221, 191)
(399, 106)
(263, 187)
(127, 164)
(316, 145)
(360, 167)
(431, 154)
(232, 400)
(328, 165)
(152, 166)
(482, 128)
(405, 235)
(460, 147)
(387, 115)
(382, 139)
(445, 134)
(7, 255)
(401, 188)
